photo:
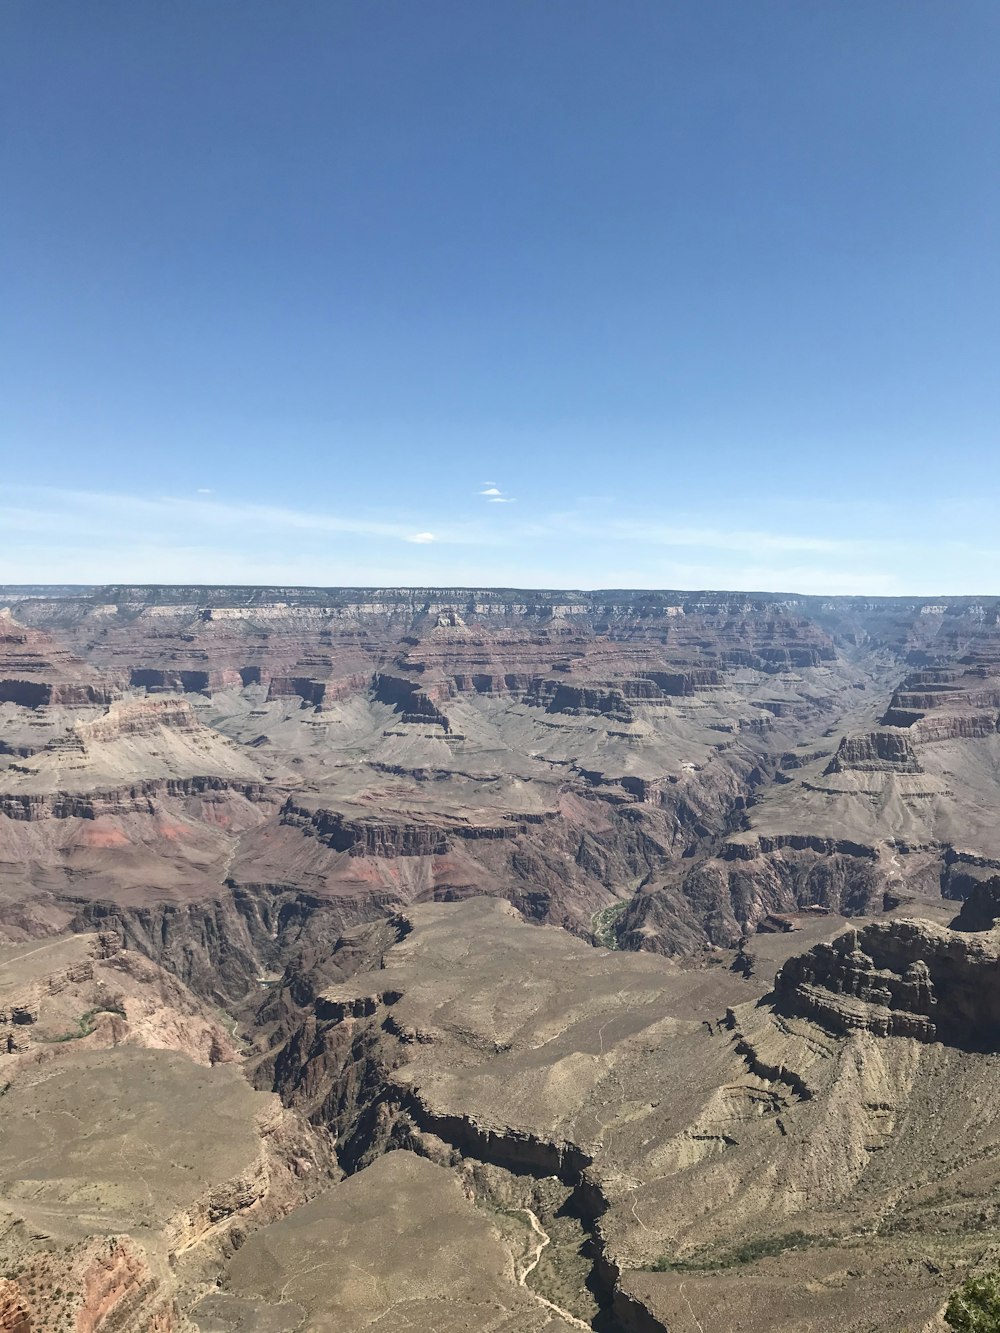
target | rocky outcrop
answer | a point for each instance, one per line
(764, 844)
(970, 726)
(43, 694)
(142, 717)
(958, 704)
(900, 978)
(38, 671)
(558, 697)
(679, 684)
(981, 908)
(385, 839)
(366, 837)
(514, 1150)
(106, 997)
(963, 871)
(15, 1313)
(748, 883)
(775, 659)
(412, 701)
(318, 691)
(190, 681)
(116, 1284)
(142, 797)
(878, 751)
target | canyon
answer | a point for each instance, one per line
(447, 959)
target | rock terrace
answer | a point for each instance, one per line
(616, 960)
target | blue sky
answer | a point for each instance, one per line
(653, 293)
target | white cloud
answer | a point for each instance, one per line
(48, 534)
(205, 490)
(502, 500)
(56, 535)
(490, 490)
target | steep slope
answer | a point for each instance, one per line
(742, 1087)
(133, 1154)
(724, 757)
(737, 1160)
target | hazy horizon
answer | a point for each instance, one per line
(31, 588)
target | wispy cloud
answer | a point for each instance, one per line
(39, 509)
(492, 493)
(643, 531)
(719, 539)
(58, 535)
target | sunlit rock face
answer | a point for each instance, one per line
(631, 955)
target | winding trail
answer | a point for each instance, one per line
(31, 952)
(690, 1307)
(544, 1239)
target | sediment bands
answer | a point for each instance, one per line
(903, 978)
(606, 937)
(136, 797)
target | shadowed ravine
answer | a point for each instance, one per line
(614, 959)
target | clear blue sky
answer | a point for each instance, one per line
(707, 290)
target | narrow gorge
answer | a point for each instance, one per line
(616, 960)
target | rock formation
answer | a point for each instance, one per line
(902, 978)
(355, 820)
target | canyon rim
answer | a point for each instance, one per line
(492, 959)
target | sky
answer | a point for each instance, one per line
(539, 293)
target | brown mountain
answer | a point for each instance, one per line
(284, 802)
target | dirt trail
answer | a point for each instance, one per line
(543, 1240)
(53, 944)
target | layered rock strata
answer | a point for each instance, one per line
(901, 978)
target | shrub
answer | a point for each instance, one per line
(975, 1306)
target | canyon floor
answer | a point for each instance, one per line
(440, 960)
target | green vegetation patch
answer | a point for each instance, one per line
(603, 925)
(764, 1247)
(85, 1023)
(975, 1306)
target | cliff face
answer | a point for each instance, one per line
(961, 703)
(104, 1286)
(143, 797)
(684, 1146)
(726, 897)
(878, 751)
(371, 748)
(15, 1315)
(122, 1089)
(222, 947)
(37, 670)
(901, 978)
